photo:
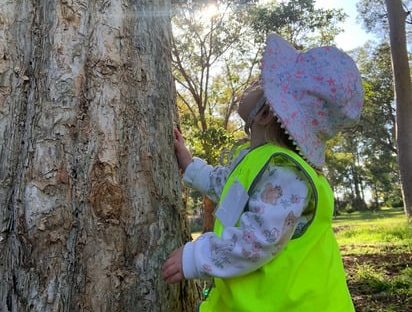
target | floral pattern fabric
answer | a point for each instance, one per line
(314, 94)
(280, 202)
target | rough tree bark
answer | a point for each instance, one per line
(90, 201)
(403, 91)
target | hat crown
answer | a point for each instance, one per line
(330, 78)
(314, 94)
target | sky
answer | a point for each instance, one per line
(354, 35)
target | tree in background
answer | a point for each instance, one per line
(363, 162)
(344, 172)
(89, 189)
(214, 58)
(374, 15)
(298, 21)
(403, 90)
(393, 20)
(378, 126)
(217, 48)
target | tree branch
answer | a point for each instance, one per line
(189, 108)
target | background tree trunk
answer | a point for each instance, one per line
(403, 91)
(208, 217)
(90, 202)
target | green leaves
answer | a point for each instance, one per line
(211, 143)
(298, 21)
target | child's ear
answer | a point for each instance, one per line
(264, 117)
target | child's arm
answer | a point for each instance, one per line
(198, 174)
(206, 179)
(274, 208)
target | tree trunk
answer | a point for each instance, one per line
(403, 91)
(208, 217)
(90, 202)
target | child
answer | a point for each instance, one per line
(273, 247)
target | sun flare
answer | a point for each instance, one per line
(210, 11)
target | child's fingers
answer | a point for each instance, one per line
(178, 135)
(171, 272)
(176, 132)
(172, 268)
(175, 252)
(169, 267)
(174, 278)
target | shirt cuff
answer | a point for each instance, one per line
(197, 175)
(188, 261)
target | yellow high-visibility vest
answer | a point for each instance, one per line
(307, 275)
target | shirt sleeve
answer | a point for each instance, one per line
(276, 203)
(206, 179)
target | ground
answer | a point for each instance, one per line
(377, 254)
(379, 294)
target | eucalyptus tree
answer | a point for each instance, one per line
(403, 91)
(393, 20)
(364, 160)
(89, 186)
(299, 22)
(374, 16)
(212, 61)
(379, 125)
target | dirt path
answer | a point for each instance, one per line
(374, 283)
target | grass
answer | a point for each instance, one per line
(377, 253)
(372, 232)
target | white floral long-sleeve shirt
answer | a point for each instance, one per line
(279, 202)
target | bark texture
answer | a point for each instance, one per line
(403, 92)
(90, 201)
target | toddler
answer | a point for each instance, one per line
(273, 247)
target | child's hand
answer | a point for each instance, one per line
(184, 157)
(172, 271)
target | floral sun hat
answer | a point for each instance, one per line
(314, 94)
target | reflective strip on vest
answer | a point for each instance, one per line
(307, 275)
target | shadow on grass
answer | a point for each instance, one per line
(384, 213)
